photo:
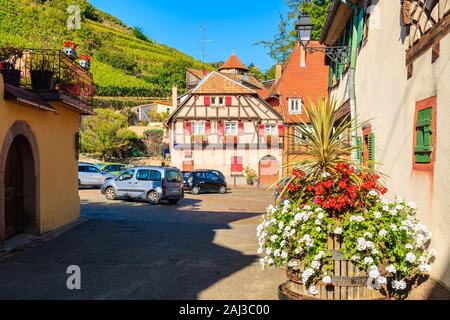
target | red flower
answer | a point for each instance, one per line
(328, 184)
(342, 184)
(319, 189)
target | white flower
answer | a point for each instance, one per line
(326, 175)
(377, 215)
(410, 257)
(307, 207)
(370, 245)
(355, 257)
(393, 227)
(338, 230)
(373, 272)
(356, 218)
(270, 262)
(307, 273)
(368, 235)
(412, 205)
(382, 280)
(424, 268)
(361, 245)
(326, 279)
(318, 229)
(373, 193)
(391, 269)
(260, 251)
(399, 285)
(394, 212)
(286, 202)
(382, 233)
(292, 264)
(375, 251)
(320, 215)
(368, 261)
(315, 264)
(268, 251)
(409, 246)
(281, 225)
(385, 208)
(399, 207)
(284, 255)
(319, 255)
(274, 238)
(318, 222)
(313, 290)
(277, 253)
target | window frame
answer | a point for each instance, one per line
(420, 106)
(293, 101)
(234, 124)
(197, 124)
(272, 132)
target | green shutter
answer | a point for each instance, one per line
(360, 150)
(424, 143)
(371, 139)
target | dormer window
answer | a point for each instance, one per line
(218, 101)
(295, 105)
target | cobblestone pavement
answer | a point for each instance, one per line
(203, 248)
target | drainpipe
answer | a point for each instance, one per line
(352, 73)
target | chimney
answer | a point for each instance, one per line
(278, 72)
(302, 57)
(205, 72)
(174, 97)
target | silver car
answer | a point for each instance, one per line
(90, 175)
(146, 183)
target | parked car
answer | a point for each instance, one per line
(90, 175)
(146, 183)
(205, 181)
(220, 174)
(113, 168)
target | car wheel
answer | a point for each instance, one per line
(153, 197)
(174, 202)
(110, 194)
(195, 190)
(222, 190)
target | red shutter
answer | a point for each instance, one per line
(236, 164)
(221, 129)
(240, 128)
(281, 130)
(187, 128)
(207, 128)
(262, 130)
(228, 101)
(207, 101)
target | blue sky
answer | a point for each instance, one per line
(232, 24)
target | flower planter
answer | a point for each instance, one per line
(85, 64)
(11, 76)
(348, 282)
(70, 52)
(42, 80)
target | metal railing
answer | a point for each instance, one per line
(46, 71)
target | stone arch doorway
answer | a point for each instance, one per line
(19, 182)
(269, 171)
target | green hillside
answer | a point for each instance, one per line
(125, 62)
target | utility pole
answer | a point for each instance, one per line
(203, 42)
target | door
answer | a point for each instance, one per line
(268, 171)
(124, 183)
(214, 182)
(174, 183)
(14, 176)
(141, 184)
(200, 180)
(95, 176)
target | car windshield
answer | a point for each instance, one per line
(173, 176)
(186, 175)
(99, 165)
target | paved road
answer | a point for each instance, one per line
(204, 248)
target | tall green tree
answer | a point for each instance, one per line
(284, 41)
(256, 71)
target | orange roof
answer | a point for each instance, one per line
(308, 83)
(216, 83)
(233, 62)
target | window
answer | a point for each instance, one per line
(155, 176)
(127, 175)
(295, 106)
(198, 128)
(218, 101)
(230, 128)
(211, 176)
(173, 176)
(425, 134)
(297, 138)
(143, 175)
(82, 169)
(271, 130)
(92, 169)
(199, 175)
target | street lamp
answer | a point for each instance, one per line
(304, 28)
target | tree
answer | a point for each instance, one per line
(256, 71)
(106, 134)
(138, 32)
(159, 116)
(172, 72)
(284, 41)
(271, 73)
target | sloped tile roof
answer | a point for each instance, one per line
(217, 83)
(198, 73)
(233, 62)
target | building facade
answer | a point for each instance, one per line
(402, 88)
(39, 141)
(303, 79)
(224, 125)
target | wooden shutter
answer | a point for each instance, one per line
(207, 128)
(228, 101)
(371, 147)
(236, 164)
(221, 129)
(240, 128)
(262, 130)
(187, 128)
(281, 130)
(360, 150)
(423, 147)
(207, 100)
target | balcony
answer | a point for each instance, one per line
(48, 76)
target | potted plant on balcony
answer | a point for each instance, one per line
(70, 49)
(199, 139)
(250, 175)
(332, 228)
(8, 59)
(85, 62)
(42, 74)
(231, 140)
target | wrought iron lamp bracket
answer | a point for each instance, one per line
(338, 54)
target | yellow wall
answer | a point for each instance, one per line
(55, 136)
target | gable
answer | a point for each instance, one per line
(215, 83)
